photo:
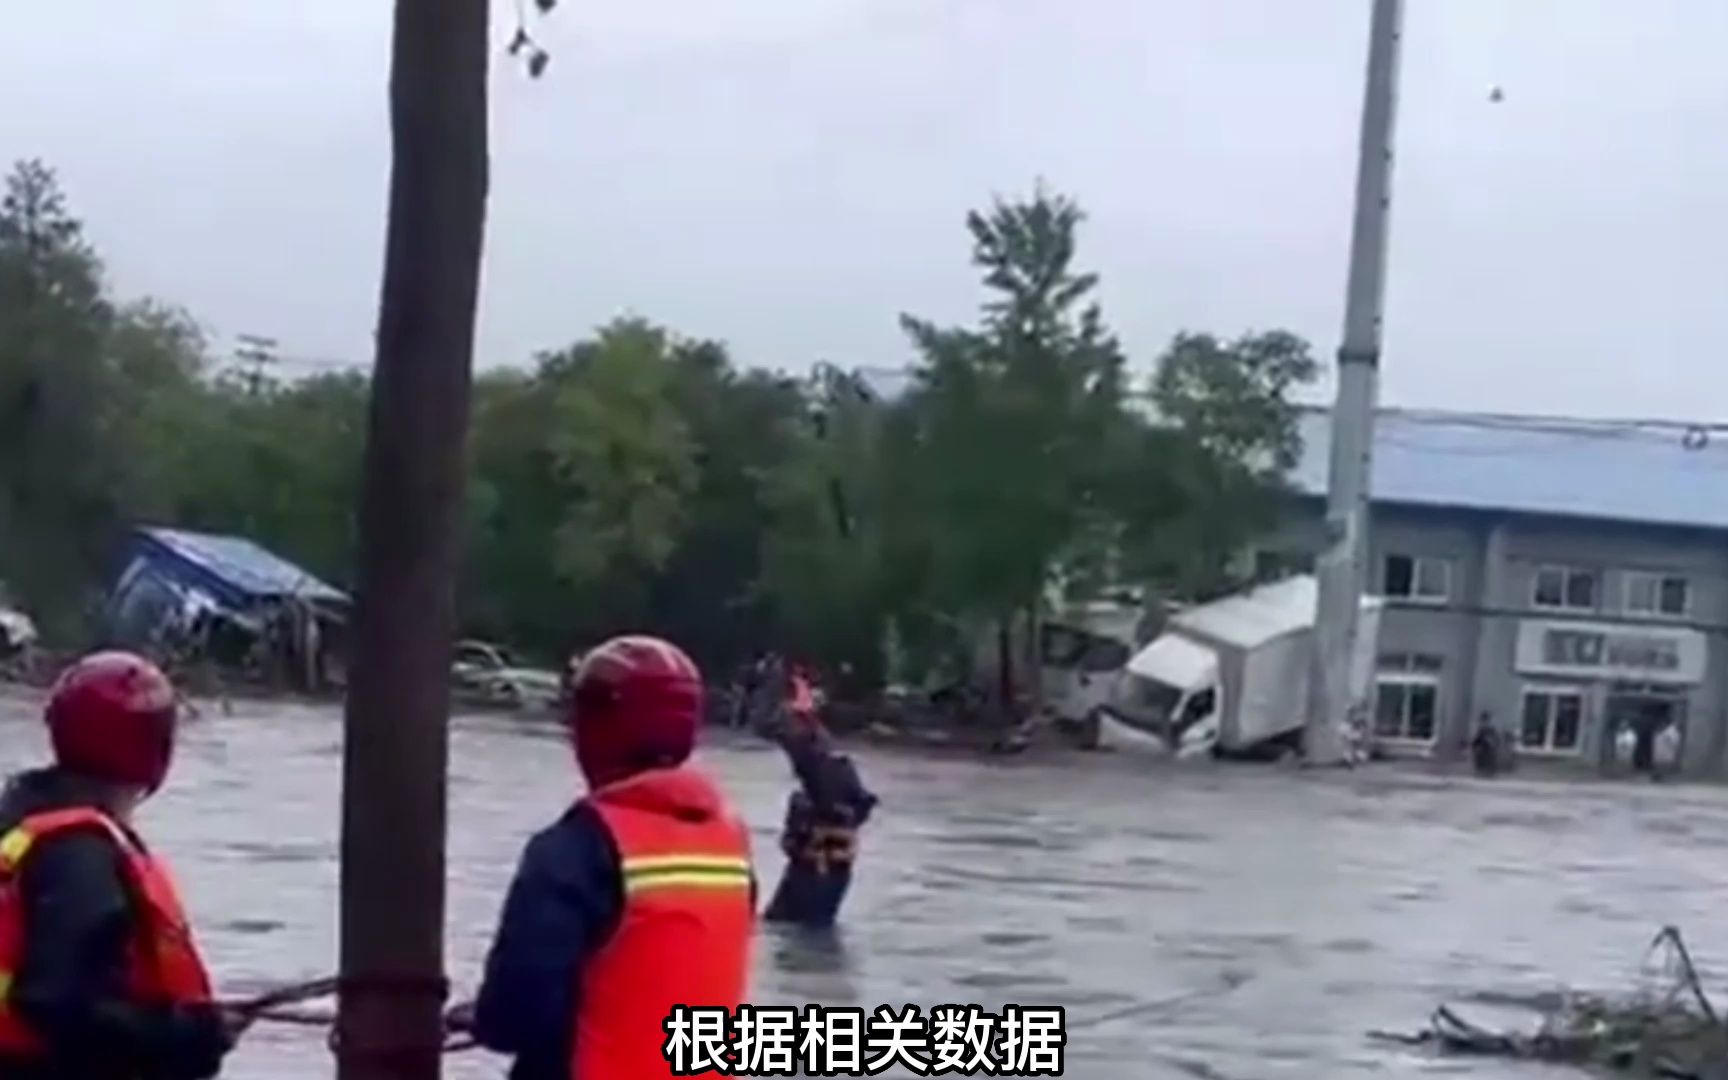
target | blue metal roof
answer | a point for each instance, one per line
(242, 565)
(1619, 471)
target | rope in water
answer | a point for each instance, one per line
(281, 1006)
(454, 1041)
(293, 994)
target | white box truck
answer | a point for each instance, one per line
(1231, 676)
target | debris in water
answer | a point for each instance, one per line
(1671, 1031)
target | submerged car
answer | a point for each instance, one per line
(17, 631)
(489, 674)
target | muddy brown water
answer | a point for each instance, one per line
(1204, 921)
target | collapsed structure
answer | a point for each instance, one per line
(192, 598)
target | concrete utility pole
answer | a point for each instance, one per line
(1343, 568)
(390, 1020)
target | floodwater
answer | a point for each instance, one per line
(1218, 922)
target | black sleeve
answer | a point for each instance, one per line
(71, 981)
(830, 780)
(807, 759)
(565, 902)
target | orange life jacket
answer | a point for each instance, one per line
(684, 935)
(163, 965)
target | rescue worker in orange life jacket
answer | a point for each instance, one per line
(637, 899)
(99, 977)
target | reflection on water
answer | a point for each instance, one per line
(1229, 922)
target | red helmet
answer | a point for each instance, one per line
(111, 717)
(635, 703)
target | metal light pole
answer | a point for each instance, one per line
(1343, 567)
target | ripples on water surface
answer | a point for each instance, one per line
(1231, 922)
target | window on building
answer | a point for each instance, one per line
(1658, 594)
(1407, 696)
(1565, 588)
(1411, 663)
(1406, 709)
(1553, 720)
(1416, 577)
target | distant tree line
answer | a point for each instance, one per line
(637, 478)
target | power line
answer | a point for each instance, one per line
(1605, 426)
(262, 354)
(324, 363)
(1692, 435)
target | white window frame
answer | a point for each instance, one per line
(1404, 662)
(1567, 574)
(1417, 562)
(1553, 691)
(1656, 579)
(1407, 678)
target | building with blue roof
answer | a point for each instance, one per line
(1564, 580)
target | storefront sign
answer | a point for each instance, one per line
(1657, 654)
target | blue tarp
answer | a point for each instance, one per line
(236, 570)
(168, 574)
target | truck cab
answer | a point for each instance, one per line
(1171, 689)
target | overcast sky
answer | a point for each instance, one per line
(788, 175)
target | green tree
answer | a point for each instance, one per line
(828, 571)
(746, 425)
(1227, 436)
(1013, 418)
(625, 450)
(1233, 398)
(516, 504)
(639, 479)
(672, 540)
(280, 467)
(156, 406)
(60, 492)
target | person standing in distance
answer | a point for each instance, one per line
(639, 898)
(99, 975)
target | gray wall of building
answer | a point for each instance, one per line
(1494, 560)
(1614, 550)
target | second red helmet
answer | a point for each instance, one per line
(635, 704)
(111, 717)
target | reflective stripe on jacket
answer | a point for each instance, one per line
(683, 937)
(163, 965)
